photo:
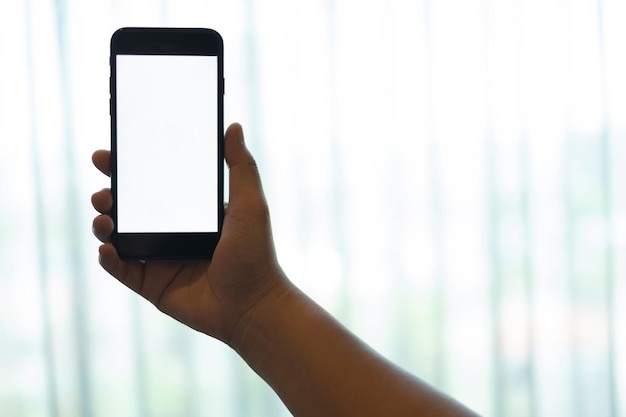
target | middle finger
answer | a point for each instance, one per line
(102, 201)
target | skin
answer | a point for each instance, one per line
(243, 298)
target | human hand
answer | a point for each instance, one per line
(209, 296)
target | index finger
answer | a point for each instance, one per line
(102, 160)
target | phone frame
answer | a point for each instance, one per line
(167, 41)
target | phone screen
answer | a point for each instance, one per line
(167, 143)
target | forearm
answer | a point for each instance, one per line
(318, 367)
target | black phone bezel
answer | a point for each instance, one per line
(167, 41)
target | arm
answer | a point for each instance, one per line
(242, 297)
(319, 368)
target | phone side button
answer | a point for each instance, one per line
(223, 86)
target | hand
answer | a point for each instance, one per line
(209, 296)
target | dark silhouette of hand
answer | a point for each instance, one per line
(212, 296)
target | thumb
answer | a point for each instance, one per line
(244, 178)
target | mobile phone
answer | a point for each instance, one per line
(167, 132)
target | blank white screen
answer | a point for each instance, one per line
(166, 143)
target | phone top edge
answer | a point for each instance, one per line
(145, 30)
(163, 29)
(164, 40)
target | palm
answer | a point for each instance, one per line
(206, 295)
(180, 289)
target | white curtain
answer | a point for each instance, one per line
(446, 177)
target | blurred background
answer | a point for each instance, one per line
(444, 176)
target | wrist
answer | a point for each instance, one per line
(260, 316)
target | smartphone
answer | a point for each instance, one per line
(167, 136)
